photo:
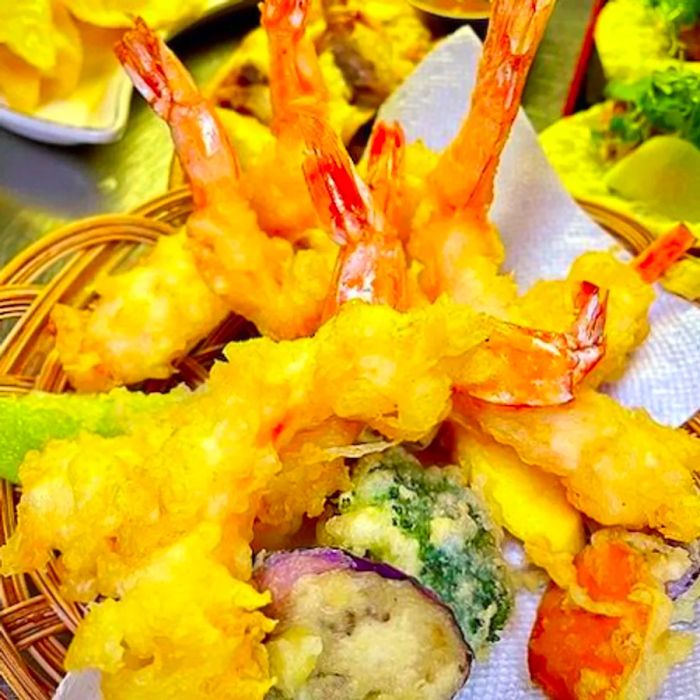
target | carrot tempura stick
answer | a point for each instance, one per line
(654, 262)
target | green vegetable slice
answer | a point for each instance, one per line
(664, 173)
(30, 421)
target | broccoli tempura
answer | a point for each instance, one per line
(428, 524)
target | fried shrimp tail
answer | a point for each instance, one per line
(519, 366)
(275, 183)
(452, 237)
(262, 278)
(587, 338)
(386, 170)
(371, 265)
(465, 173)
(121, 340)
(630, 297)
(201, 143)
(654, 262)
(295, 74)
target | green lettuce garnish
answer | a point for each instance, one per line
(680, 13)
(665, 102)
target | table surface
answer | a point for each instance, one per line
(42, 187)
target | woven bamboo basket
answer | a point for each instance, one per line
(36, 621)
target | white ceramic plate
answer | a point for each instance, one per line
(98, 110)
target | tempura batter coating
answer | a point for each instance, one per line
(548, 305)
(108, 504)
(183, 627)
(144, 319)
(619, 466)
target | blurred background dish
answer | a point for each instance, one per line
(73, 91)
(637, 37)
(630, 137)
(366, 49)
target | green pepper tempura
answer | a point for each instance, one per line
(29, 422)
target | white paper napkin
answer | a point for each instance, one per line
(543, 230)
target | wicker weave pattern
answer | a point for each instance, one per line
(36, 622)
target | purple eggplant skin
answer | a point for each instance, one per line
(678, 588)
(280, 572)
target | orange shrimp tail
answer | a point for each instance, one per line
(371, 265)
(373, 271)
(464, 176)
(295, 74)
(201, 142)
(337, 192)
(289, 16)
(385, 168)
(656, 260)
(386, 149)
(154, 69)
(519, 366)
(588, 332)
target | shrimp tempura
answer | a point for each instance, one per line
(266, 280)
(148, 317)
(221, 455)
(548, 303)
(452, 232)
(144, 320)
(619, 466)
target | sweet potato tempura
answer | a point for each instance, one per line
(607, 636)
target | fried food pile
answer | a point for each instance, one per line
(259, 446)
(404, 402)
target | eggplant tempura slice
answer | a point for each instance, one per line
(350, 629)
